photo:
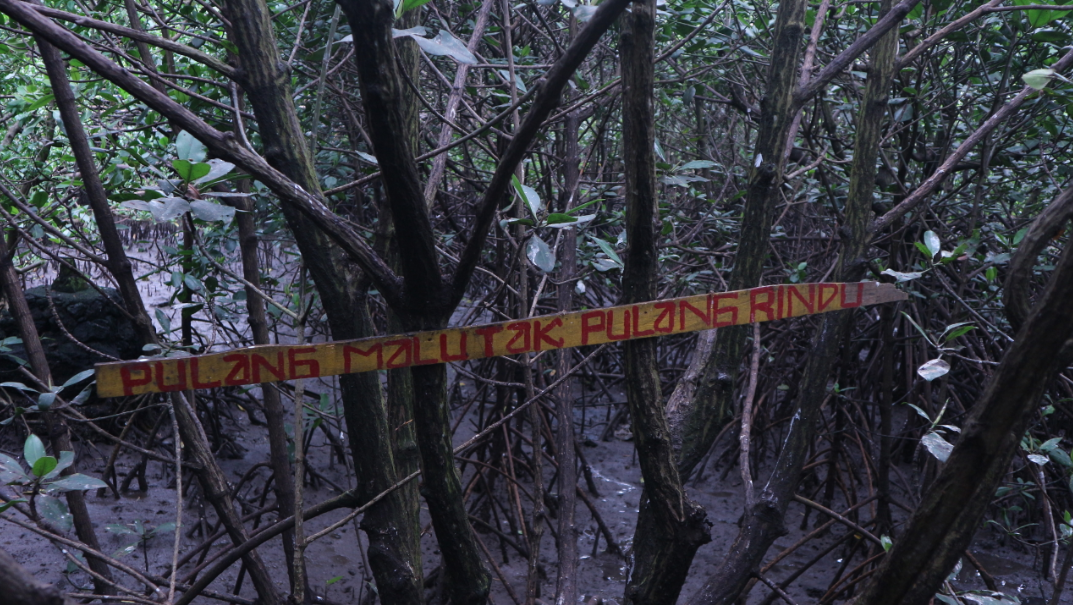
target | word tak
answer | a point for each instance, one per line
(272, 363)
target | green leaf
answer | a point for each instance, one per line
(10, 503)
(77, 483)
(41, 102)
(17, 385)
(900, 277)
(1040, 18)
(585, 205)
(54, 511)
(192, 282)
(189, 148)
(122, 530)
(886, 542)
(961, 331)
(45, 401)
(212, 212)
(165, 323)
(217, 169)
(608, 250)
(556, 218)
(538, 253)
(920, 412)
(126, 550)
(44, 465)
(164, 528)
(11, 471)
(697, 165)
(184, 169)
(33, 449)
(39, 199)
(66, 460)
(77, 378)
(333, 580)
(529, 197)
(937, 446)
(933, 369)
(444, 44)
(528, 222)
(580, 220)
(1038, 78)
(409, 5)
(199, 171)
(931, 240)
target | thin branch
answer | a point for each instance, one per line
(140, 36)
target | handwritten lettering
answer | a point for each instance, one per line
(161, 383)
(589, 327)
(808, 303)
(348, 351)
(824, 303)
(126, 373)
(404, 348)
(259, 361)
(312, 366)
(611, 324)
(764, 307)
(463, 353)
(666, 314)
(719, 310)
(541, 334)
(488, 332)
(240, 371)
(521, 331)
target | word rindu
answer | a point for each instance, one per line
(271, 363)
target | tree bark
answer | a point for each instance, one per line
(20, 587)
(566, 583)
(697, 425)
(763, 521)
(671, 527)
(275, 415)
(944, 523)
(395, 566)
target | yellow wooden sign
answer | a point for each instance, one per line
(271, 363)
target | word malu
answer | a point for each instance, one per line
(271, 363)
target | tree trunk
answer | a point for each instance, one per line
(697, 425)
(944, 523)
(275, 415)
(394, 566)
(671, 527)
(763, 521)
(566, 583)
(214, 484)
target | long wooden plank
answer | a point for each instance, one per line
(271, 363)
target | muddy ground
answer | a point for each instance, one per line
(337, 566)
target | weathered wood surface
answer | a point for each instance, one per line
(271, 363)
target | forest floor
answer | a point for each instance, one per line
(336, 564)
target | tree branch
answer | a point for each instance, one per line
(219, 143)
(140, 36)
(547, 99)
(842, 61)
(936, 179)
